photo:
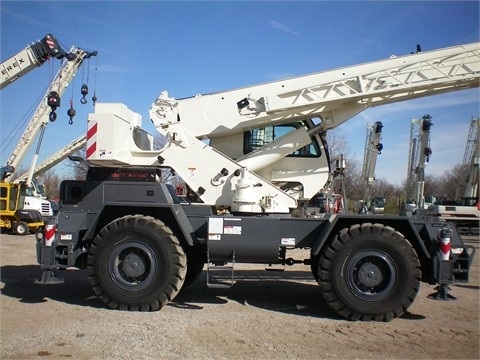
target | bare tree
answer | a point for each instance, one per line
(449, 186)
(338, 145)
(51, 183)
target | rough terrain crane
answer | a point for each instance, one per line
(252, 155)
(419, 155)
(373, 148)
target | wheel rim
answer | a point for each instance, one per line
(133, 265)
(21, 229)
(371, 275)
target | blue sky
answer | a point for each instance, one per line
(188, 48)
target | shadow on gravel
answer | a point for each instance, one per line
(292, 292)
(19, 283)
(473, 287)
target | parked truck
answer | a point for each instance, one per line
(253, 156)
(13, 216)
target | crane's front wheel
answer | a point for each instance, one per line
(136, 263)
(369, 272)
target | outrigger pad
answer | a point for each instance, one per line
(442, 294)
(49, 278)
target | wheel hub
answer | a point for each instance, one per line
(133, 265)
(370, 275)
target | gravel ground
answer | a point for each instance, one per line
(265, 315)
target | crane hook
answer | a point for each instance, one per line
(52, 116)
(71, 113)
(428, 152)
(84, 91)
(53, 100)
(94, 98)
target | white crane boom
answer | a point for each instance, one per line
(264, 152)
(30, 58)
(56, 158)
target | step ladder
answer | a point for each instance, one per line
(275, 267)
(220, 276)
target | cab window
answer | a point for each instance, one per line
(256, 138)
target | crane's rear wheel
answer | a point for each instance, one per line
(136, 263)
(369, 272)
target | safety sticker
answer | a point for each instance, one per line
(232, 230)
(215, 225)
(288, 241)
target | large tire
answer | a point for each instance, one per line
(21, 228)
(369, 272)
(136, 264)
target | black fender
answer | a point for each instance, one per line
(28, 216)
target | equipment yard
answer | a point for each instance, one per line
(265, 315)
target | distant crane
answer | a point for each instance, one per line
(373, 148)
(419, 155)
(471, 160)
(465, 209)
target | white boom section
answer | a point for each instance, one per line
(29, 58)
(373, 148)
(419, 154)
(40, 117)
(17, 66)
(56, 158)
(334, 96)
